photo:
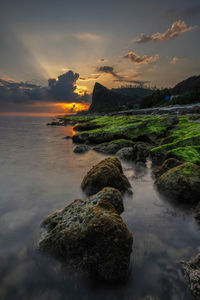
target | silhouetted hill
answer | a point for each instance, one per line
(105, 100)
(185, 92)
(137, 92)
(187, 85)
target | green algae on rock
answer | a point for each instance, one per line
(191, 270)
(107, 173)
(108, 128)
(181, 183)
(182, 142)
(90, 236)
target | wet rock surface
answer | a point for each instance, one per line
(181, 183)
(138, 152)
(81, 149)
(166, 166)
(191, 270)
(107, 173)
(126, 153)
(90, 236)
(113, 147)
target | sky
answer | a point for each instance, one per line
(53, 52)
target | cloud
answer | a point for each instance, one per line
(144, 59)
(62, 89)
(119, 78)
(87, 36)
(176, 29)
(108, 70)
(88, 78)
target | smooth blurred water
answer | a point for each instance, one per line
(39, 173)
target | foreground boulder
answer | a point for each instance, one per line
(90, 236)
(181, 183)
(81, 149)
(107, 173)
(168, 164)
(191, 271)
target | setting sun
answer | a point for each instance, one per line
(73, 108)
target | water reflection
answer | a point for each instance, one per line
(39, 174)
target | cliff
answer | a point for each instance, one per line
(105, 100)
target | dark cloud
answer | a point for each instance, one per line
(109, 70)
(63, 88)
(89, 78)
(144, 59)
(176, 29)
(119, 78)
(58, 90)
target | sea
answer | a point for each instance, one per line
(40, 173)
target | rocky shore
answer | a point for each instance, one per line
(89, 235)
(171, 142)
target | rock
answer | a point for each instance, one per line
(111, 195)
(90, 237)
(141, 152)
(107, 173)
(81, 149)
(94, 138)
(113, 146)
(104, 100)
(86, 126)
(191, 270)
(197, 213)
(181, 183)
(138, 152)
(166, 166)
(126, 153)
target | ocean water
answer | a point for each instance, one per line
(39, 173)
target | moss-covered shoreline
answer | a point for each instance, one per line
(167, 136)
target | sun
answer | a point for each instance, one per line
(72, 108)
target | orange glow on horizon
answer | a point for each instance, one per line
(72, 108)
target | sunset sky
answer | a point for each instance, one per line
(112, 42)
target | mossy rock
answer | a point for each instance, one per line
(181, 183)
(191, 270)
(137, 153)
(113, 146)
(107, 173)
(90, 237)
(81, 149)
(168, 164)
(86, 126)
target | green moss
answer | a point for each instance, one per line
(130, 126)
(188, 153)
(184, 141)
